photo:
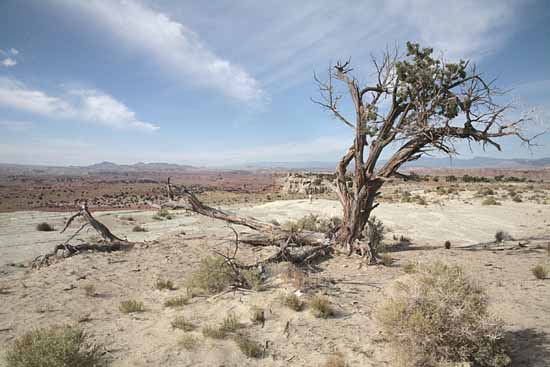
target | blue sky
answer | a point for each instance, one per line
(226, 82)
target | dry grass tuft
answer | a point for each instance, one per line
(213, 332)
(131, 306)
(45, 227)
(230, 323)
(293, 302)
(188, 342)
(539, 271)
(181, 323)
(138, 228)
(437, 317)
(89, 290)
(321, 307)
(164, 284)
(410, 267)
(257, 315)
(336, 360)
(249, 347)
(54, 347)
(178, 301)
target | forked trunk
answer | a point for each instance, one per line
(357, 209)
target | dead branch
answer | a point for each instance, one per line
(109, 243)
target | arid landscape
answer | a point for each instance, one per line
(419, 217)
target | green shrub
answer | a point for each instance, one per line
(321, 307)
(540, 271)
(54, 347)
(131, 306)
(437, 316)
(249, 347)
(44, 227)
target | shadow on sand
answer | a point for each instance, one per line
(529, 348)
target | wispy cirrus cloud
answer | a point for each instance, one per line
(173, 45)
(87, 105)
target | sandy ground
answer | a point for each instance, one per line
(172, 249)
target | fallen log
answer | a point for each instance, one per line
(110, 242)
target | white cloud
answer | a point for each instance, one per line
(173, 45)
(7, 62)
(85, 104)
(14, 51)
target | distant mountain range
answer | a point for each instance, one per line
(424, 162)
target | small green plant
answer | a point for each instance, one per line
(539, 271)
(89, 290)
(293, 302)
(54, 347)
(139, 228)
(257, 315)
(178, 301)
(188, 342)
(321, 307)
(131, 306)
(490, 201)
(44, 227)
(181, 323)
(249, 347)
(164, 284)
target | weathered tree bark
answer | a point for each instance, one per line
(296, 247)
(433, 103)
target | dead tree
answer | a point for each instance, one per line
(417, 104)
(109, 242)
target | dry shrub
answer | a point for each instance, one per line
(164, 284)
(131, 306)
(490, 201)
(447, 245)
(138, 228)
(296, 277)
(257, 315)
(437, 317)
(89, 290)
(249, 347)
(188, 342)
(215, 274)
(374, 233)
(213, 332)
(501, 236)
(386, 259)
(230, 323)
(45, 227)
(181, 323)
(321, 307)
(313, 223)
(212, 276)
(410, 267)
(336, 360)
(54, 347)
(540, 271)
(293, 302)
